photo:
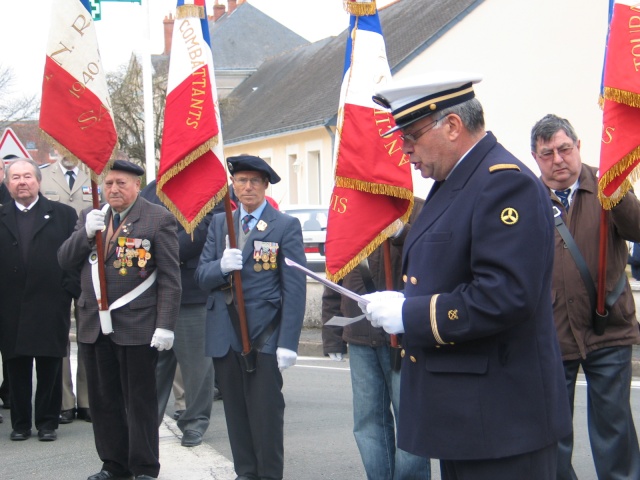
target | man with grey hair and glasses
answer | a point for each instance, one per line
(602, 346)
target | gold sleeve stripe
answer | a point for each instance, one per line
(434, 323)
(503, 166)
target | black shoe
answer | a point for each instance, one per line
(106, 475)
(177, 413)
(47, 435)
(17, 436)
(67, 416)
(216, 394)
(83, 414)
(191, 438)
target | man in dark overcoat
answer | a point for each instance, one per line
(482, 385)
(142, 271)
(35, 294)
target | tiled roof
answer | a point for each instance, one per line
(301, 88)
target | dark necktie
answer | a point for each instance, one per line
(116, 221)
(563, 195)
(245, 223)
(72, 179)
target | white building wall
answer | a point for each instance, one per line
(536, 57)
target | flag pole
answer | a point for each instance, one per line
(237, 280)
(103, 302)
(602, 262)
(388, 278)
(147, 97)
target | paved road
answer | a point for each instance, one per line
(318, 439)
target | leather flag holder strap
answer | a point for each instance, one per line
(599, 322)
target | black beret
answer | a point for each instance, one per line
(249, 163)
(129, 167)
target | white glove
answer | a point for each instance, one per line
(162, 339)
(385, 310)
(335, 356)
(286, 358)
(231, 259)
(94, 222)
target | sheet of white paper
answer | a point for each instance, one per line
(324, 281)
(343, 321)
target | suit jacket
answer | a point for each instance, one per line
(55, 186)
(36, 296)
(190, 248)
(267, 293)
(5, 196)
(481, 376)
(157, 307)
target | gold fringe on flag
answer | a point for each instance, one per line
(360, 7)
(377, 188)
(368, 250)
(173, 171)
(626, 162)
(66, 153)
(185, 11)
(622, 96)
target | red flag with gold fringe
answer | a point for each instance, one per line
(373, 183)
(191, 175)
(620, 147)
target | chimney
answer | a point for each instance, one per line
(232, 5)
(168, 33)
(218, 11)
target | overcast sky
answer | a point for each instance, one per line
(24, 29)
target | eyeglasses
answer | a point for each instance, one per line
(564, 151)
(255, 181)
(413, 137)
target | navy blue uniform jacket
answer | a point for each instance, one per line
(267, 294)
(482, 375)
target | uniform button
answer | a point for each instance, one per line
(451, 343)
(414, 280)
(404, 278)
(571, 300)
(402, 353)
(413, 359)
(437, 346)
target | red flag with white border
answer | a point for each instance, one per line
(76, 112)
(373, 183)
(191, 176)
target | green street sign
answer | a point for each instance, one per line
(96, 11)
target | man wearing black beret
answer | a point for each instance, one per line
(142, 271)
(274, 296)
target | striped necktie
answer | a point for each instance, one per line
(563, 195)
(245, 223)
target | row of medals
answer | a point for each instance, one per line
(127, 250)
(264, 253)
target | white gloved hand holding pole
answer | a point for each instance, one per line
(162, 339)
(94, 222)
(286, 358)
(385, 310)
(231, 259)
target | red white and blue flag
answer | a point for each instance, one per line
(620, 146)
(191, 176)
(373, 183)
(76, 112)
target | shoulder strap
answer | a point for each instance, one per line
(582, 264)
(577, 256)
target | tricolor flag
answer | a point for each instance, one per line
(620, 147)
(76, 112)
(191, 176)
(373, 185)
